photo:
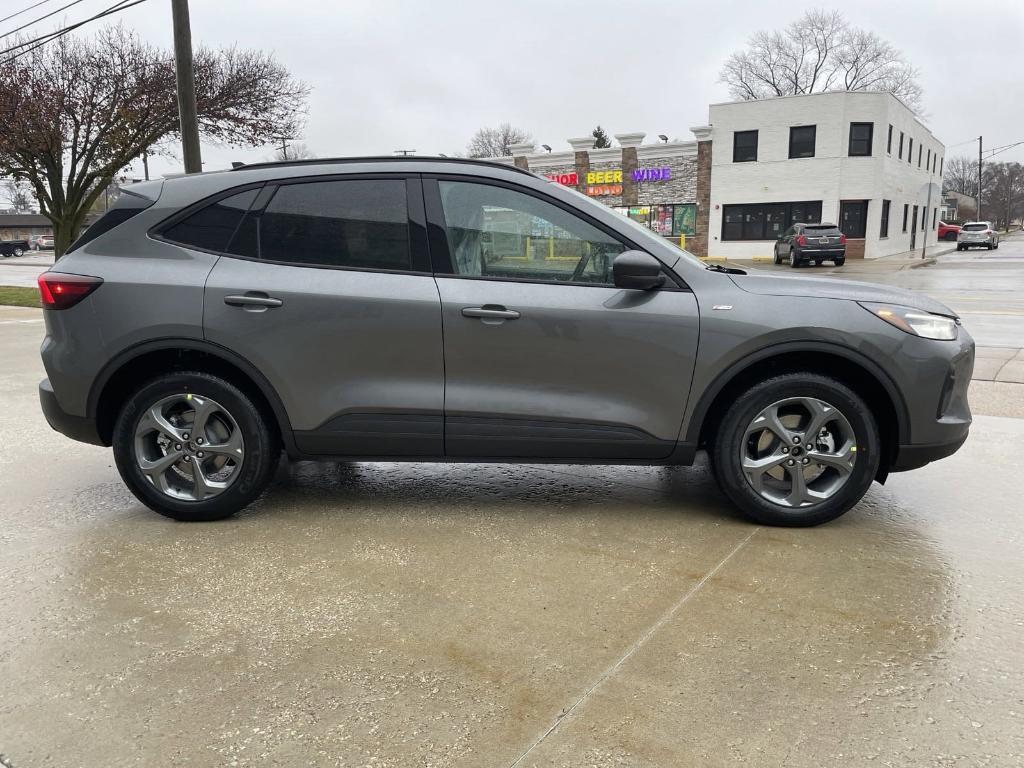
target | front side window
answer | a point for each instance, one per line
(801, 140)
(499, 232)
(349, 223)
(860, 139)
(744, 146)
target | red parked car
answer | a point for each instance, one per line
(948, 231)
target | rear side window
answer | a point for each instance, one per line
(349, 223)
(210, 228)
(125, 207)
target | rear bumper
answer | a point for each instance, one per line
(79, 428)
(820, 253)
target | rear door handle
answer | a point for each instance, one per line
(490, 312)
(253, 300)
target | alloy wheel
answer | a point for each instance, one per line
(798, 452)
(189, 446)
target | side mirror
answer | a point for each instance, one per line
(637, 270)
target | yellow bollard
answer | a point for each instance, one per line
(682, 241)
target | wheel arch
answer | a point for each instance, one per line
(138, 364)
(855, 370)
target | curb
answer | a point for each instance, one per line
(922, 263)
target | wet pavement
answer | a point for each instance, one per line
(487, 615)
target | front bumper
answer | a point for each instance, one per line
(79, 428)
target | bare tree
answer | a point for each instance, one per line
(961, 175)
(295, 151)
(819, 52)
(76, 111)
(495, 142)
(18, 195)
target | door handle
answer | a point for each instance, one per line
(253, 300)
(490, 312)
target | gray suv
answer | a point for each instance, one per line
(449, 310)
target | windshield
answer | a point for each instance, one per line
(975, 227)
(642, 232)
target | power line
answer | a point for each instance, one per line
(25, 10)
(38, 42)
(41, 18)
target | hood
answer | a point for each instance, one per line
(830, 288)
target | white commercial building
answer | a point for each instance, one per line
(861, 160)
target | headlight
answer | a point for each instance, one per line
(915, 321)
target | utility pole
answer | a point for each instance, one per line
(186, 87)
(145, 163)
(284, 146)
(979, 179)
(927, 229)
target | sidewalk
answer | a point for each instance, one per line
(894, 263)
(1005, 364)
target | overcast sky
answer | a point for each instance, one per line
(390, 75)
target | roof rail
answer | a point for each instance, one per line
(377, 159)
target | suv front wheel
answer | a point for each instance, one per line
(194, 447)
(799, 449)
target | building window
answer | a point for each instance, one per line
(924, 217)
(744, 146)
(860, 139)
(901, 145)
(888, 142)
(883, 231)
(766, 221)
(928, 160)
(935, 217)
(941, 161)
(920, 149)
(801, 141)
(853, 217)
(906, 212)
(910, 150)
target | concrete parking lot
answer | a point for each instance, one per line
(488, 615)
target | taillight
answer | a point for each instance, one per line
(802, 240)
(60, 291)
(842, 239)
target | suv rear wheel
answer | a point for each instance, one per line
(192, 446)
(799, 449)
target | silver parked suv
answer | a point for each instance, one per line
(444, 310)
(980, 233)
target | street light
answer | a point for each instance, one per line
(663, 137)
(545, 146)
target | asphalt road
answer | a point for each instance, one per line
(487, 615)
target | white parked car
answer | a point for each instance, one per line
(42, 243)
(977, 233)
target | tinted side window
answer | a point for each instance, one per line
(211, 228)
(498, 232)
(357, 223)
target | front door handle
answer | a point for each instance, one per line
(253, 299)
(490, 312)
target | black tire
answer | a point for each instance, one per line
(19, 252)
(817, 262)
(728, 442)
(989, 246)
(261, 455)
(951, 236)
(777, 259)
(995, 247)
(840, 261)
(959, 247)
(794, 261)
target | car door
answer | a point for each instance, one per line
(782, 244)
(325, 288)
(544, 357)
